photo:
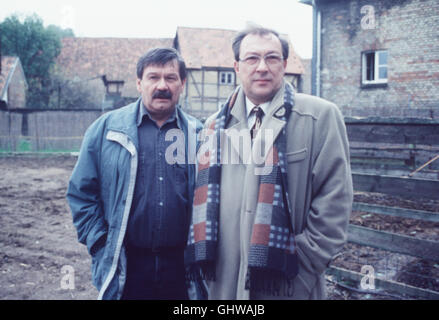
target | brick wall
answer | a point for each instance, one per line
(305, 79)
(409, 30)
(17, 93)
(17, 89)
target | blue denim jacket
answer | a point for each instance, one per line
(101, 188)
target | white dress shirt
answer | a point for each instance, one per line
(251, 117)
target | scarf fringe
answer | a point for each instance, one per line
(201, 271)
(269, 282)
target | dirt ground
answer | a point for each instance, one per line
(37, 237)
(387, 265)
(38, 242)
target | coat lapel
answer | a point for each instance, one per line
(271, 127)
(238, 133)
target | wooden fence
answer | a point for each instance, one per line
(396, 146)
(34, 130)
(397, 243)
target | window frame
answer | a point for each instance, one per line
(226, 75)
(377, 65)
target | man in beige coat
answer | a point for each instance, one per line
(317, 196)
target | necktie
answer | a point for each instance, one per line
(259, 113)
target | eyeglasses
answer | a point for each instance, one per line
(270, 60)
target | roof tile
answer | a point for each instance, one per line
(204, 47)
(114, 57)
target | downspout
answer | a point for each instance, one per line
(319, 52)
(316, 51)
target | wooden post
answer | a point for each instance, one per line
(9, 131)
(37, 134)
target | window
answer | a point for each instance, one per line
(226, 77)
(374, 67)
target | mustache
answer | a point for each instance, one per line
(162, 94)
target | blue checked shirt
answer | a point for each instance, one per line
(159, 216)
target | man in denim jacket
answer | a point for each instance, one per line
(131, 190)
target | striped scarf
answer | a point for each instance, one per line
(272, 255)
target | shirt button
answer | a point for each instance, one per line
(161, 178)
(161, 204)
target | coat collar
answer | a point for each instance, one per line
(272, 125)
(143, 112)
(237, 130)
(238, 111)
(124, 120)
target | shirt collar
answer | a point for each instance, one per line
(143, 112)
(250, 105)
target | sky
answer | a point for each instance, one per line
(160, 18)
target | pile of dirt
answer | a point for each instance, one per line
(392, 266)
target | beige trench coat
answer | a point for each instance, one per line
(320, 193)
